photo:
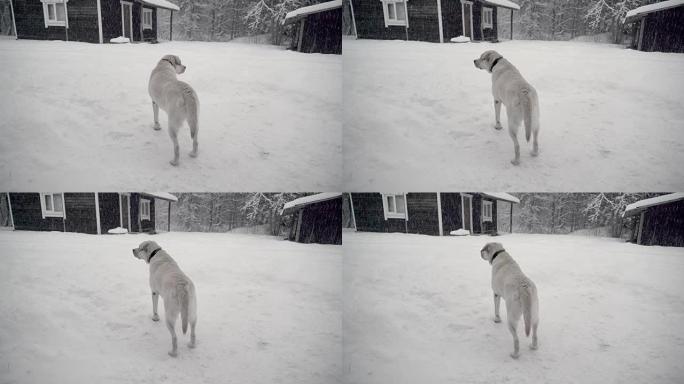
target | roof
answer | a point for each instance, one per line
(503, 4)
(296, 204)
(637, 13)
(641, 205)
(161, 195)
(162, 4)
(300, 13)
(502, 196)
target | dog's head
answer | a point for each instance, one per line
(145, 249)
(175, 61)
(489, 250)
(486, 60)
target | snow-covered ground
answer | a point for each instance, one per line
(78, 116)
(416, 113)
(77, 309)
(419, 309)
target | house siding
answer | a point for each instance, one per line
(451, 212)
(109, 211)
(422, 213)
(137, 224)
(321, 223)
(28, 216)
(322, 32)
(663, 225)
(80, 212)
(664, 31)
(452, 19)
(82, 15)
(422, 17)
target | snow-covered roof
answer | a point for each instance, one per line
(162, 4)
(643, 10)
(503, 4)
(502, 196)
(291, 206)
(297, 14)
(161, 195)
(635, 208)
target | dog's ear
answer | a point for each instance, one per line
(177, 60)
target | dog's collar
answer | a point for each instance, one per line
(496, 254)
(495, 62)
(152, 255)
(169, 61)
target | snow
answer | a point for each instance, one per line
(653, 7)
(118, 231)
(76, 309)
(120, 40)
(460, 232)
(162, 195)
(502, 196)
(419, 309)
(460, 39)
(162, 4)
(412, 108)
(320, 7)
(636, 207)
(265, 112)
(306, 200)
(503, 3)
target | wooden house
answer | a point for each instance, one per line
(429, 20)
(428, 213)
(658, 27)
(92, 21)
(660, 220)
(94, 213)
(318, 28)
(315, 218)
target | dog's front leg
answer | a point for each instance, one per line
(155, 301)
(497, 301)
(155, 110)
(497, 114)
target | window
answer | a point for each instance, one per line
(55, 13)
(394, 206)
(486, 210)
(52, 204)
(147, 18)
(144, 209)
(395, 12)
(487, 18)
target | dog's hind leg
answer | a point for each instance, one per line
(514, 120)
(155, 302)
(171, 325)
(497, 114)
(155, 110)
(534, 344)
(193, 133)
(497, 301)
(174, 126)
(513, 315)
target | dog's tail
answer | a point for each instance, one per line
(192, 109)
(183, 296)
(526, 99)
(528, 294)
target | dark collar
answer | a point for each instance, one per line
(152, 255)
(174, 65)
(496, 254)
(494, 63)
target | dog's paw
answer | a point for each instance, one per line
(534, 347)
(173, 354)
(515, 162)
(155, 317)
(174, 163)
(156, 126)
(534, 153)
(497, 319)
(193, 154)
(515, 355)
(191, 345)
(498, 126)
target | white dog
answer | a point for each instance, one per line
(176, 98)
(175, 288)
(518, 291)
(519, 97)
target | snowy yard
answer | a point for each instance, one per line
(77, 308)
(415, 111)
(419, 309)
(78, 115)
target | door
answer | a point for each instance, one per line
(468, 19)
(125, 211)
(467, 212)
(127, 20)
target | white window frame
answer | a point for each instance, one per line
(52, 213)
(143, 215)
(144, 12)
(130, 18)
(485, 11)
(394, 214)
(394, 22)
(46, 14)
(487, 217)
(463, 4)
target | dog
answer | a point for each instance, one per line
(517, 290)
(177, 99)
(176, 289)
(519, 97)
